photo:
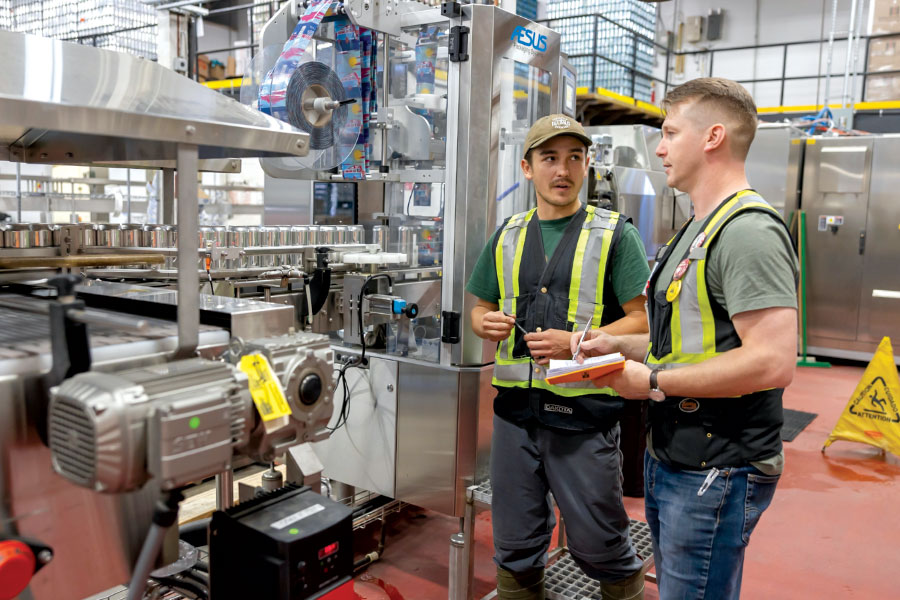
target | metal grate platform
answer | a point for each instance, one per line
(566, 581)
(640, 539)
(482, 493)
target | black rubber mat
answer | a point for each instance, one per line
(795, 421)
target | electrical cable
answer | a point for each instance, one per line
(180, 585)
(344, 413)
(198, 576)
(202, 566)
(164, 516)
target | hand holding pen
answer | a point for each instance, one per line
(497, 325)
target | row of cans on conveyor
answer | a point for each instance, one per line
(132, 235)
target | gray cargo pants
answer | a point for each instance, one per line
(584, 472)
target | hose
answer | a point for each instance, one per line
(164, 517)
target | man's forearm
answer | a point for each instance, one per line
(733, 373)
(632, 323)
(633, 346)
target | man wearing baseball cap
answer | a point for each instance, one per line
(546, 275)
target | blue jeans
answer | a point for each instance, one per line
(699, 541)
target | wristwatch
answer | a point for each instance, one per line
(656, 394)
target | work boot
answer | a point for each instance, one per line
(520, 586)
(630, 588)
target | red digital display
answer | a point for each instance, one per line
(328, 550)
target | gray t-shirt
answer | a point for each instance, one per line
(751, 266)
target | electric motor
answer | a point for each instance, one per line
(178, 422)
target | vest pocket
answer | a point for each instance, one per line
(525, 320)
(660, 329)
(557, 313)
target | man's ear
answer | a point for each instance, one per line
(715, 137)
(526, 169)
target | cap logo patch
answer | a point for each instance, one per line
(560, 123)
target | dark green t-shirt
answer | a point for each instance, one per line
(629, 275)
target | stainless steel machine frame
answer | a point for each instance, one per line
(427, 448)
(476, 159)
(853, 239)
(67, 103)
(775, 165)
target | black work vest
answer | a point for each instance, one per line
(701, 433)
(544, 301)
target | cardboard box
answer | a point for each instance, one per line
(202, 66)
(884, 54)
(230, 70)
(884, 16)
(880, 88)
(216, 70)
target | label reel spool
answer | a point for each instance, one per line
(315, 101)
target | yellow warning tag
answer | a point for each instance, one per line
(265, 389)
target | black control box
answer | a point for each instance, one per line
(290, 544)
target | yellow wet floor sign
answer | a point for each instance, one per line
(873, 414)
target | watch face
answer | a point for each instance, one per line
(657, 395)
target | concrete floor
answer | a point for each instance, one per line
(831, 531)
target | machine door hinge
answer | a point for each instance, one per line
(459, 43)
(450, 327)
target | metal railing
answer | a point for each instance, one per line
(635, 72)
(785, 46)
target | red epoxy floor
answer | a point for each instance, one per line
(831, 532)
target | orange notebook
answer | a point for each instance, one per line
(570, 371)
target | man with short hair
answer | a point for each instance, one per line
(722, 347)
(545, 273)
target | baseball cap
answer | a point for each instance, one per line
(551, 126)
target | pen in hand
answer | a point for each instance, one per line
(519, 327)
(587, 326)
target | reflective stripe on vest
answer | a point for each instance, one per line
(585, 295)
(693, 326)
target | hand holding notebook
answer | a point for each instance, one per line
(572, 371)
